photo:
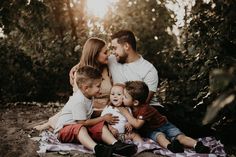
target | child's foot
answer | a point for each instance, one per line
(200, 148)
(175, 147)
(103, 150)
(124, 149)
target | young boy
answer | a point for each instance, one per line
(150, 123)
(121, 130)
(75, 126)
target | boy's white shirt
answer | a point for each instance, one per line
(78, 107)
(120, 126)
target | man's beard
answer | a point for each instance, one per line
(122, 59)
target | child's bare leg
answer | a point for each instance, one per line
(99, 149)
(134, 137)
(85, 139)
(187, 141)
(173, 146)
(162, 140)
(107, 136)
(118, 147)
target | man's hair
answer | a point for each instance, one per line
(125, 36)
(138, 90)
(87, 74)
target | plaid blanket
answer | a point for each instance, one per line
(49, 142)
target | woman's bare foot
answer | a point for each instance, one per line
(42, 127)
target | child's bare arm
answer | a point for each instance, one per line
(128, 127)
(107, 117)
(136, 123)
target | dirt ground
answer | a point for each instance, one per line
(16, 130)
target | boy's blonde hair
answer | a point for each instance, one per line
(86, 75)
(138, 90)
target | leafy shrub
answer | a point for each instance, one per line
(16, 79)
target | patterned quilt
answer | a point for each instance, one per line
(49, 142)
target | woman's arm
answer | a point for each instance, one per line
(72, 72)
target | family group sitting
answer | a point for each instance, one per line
(123, 111)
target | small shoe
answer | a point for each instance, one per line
(103, 150)
(175, 147)
(200, 148)
(124, 149)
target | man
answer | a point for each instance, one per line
(126, 64)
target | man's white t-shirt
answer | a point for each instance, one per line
(78, 107)
(139, 70)
(120, 126)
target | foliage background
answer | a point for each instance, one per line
(43, 40)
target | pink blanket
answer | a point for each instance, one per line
(49, 142)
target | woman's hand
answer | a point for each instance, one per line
(110, 119)
(72, 74)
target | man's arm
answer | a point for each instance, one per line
(151, 79)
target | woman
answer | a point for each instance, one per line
(95, 54)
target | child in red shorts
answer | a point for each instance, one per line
(76, 126)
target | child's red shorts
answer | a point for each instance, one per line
(69, 133)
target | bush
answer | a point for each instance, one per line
(16, 79)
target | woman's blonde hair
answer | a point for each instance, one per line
(91, 50)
